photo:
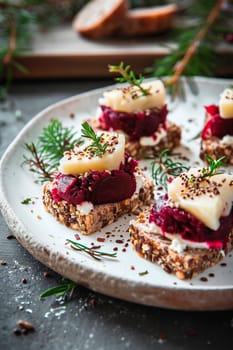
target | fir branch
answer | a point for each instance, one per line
(127, 75)
(180, 66)
(97, 146)
(12, 40)
(165, 167)
(92, 251)
(37, 164)
(46, 153)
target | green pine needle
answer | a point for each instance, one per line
(44, 155)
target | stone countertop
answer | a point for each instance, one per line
(89, 320)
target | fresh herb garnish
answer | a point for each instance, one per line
(164, 167)
(97, 146)
(143, 273)
(212, 169)
(92, 251)
(127, 75)
(64, 291)
(46, 153)
(26, 201)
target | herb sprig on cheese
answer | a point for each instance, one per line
(128, 75)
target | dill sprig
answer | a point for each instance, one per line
(64, 291)
(128, 75)
(97, 146)
(46, 153)
(165, 167)
(92, 251)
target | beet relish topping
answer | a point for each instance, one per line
(216, 125)
(98, 187)
(135, 125)
(178, 221)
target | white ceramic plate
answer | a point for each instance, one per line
(125, 276)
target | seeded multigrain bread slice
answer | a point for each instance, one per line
(216, 148)
(170, 140)
(157, 248)
(101, 215)
(100, 18)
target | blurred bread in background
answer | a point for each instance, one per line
(100, 18)
(148, 20)
(107, 18)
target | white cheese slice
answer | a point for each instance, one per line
(207, 199)
(226, 104)
(81, 160)
(130, 99)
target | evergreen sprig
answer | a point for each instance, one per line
(128, 75)
(194, 54)
(45, 154)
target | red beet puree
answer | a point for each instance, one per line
(216, 125)
(178, 221)
(136, 125)
(98, 187)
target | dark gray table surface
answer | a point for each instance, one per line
(89, 320)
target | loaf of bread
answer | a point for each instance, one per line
(142, 21)
(100, 18)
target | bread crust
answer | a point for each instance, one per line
(170, 141)
(148, 20)
(216, 149)
(157, 248)
(101, 215)
(100, 18)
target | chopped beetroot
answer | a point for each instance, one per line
(136, 125)
(115, 187)
(98, 187)
(178, 221)
(216, 125)
(71, 189)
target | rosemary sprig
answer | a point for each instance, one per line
(92, 251)
(46, 153)
(165, 166)
(97, 146)
(64, 291)
(213, 168)
(127, 75)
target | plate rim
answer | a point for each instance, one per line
(17, 227)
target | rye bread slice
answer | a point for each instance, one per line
(156, 248)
